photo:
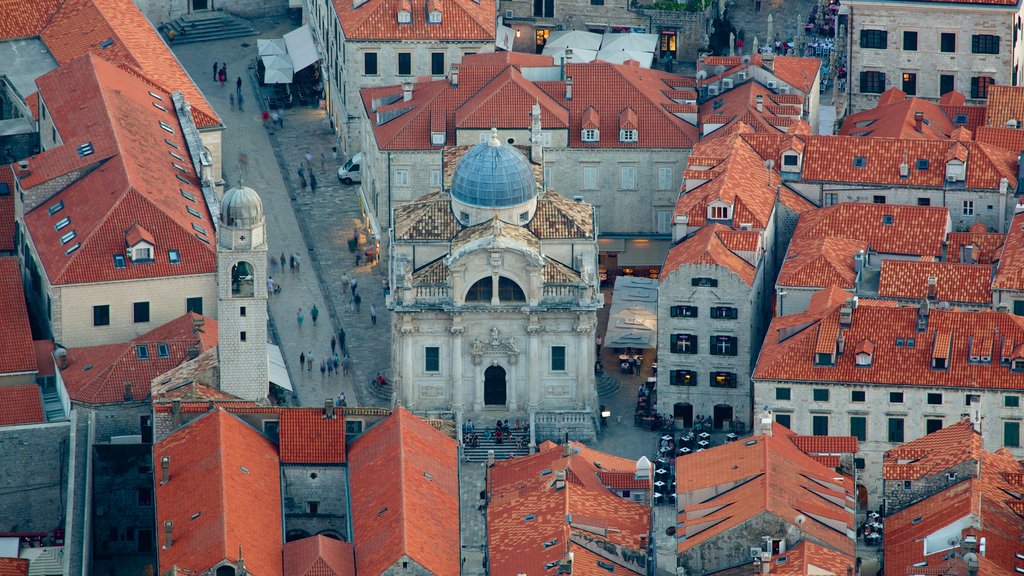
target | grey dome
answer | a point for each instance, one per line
(493, 175)
(241, 206)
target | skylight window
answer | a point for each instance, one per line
(62, 223)
(182, 178)
(887, 219)
(193, 212)
(180, 167)
(142, 352)
(199, 228)
(159, 107)
(107, 43)
(960, 119)
(174, 256)
(55, 208)
(68, 237)
(166, 127)
(203, 238)
(119, 261)
(157, 96)
(188, 195)
(922, 164)
(85, 150)
(859, 161)
(162, 350)
(171, 144)
(176, 155)
(71, 250)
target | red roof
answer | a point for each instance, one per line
(1010, 270)
(491, 88)
(808, 558)
(933, 454)
(132, 182)
(223, 496)
(6, 209)
(789, 349)
(894, 116)
(44, 357)
(985, 244)
(820, 262)
(13, 567)
(318, 556)
(307, 437)
(98, 374)
(778, 111)
(531, 519)
(706, 248)
(21, 405)
(886, 228)
(908, 280)
(16, 352)
(378, 20)
(722, 488)
(799, 73)
(826, 444)
(404, 495)
(624, 481)
(1009, 138)
(1005, 103)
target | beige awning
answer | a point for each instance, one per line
(643, 252)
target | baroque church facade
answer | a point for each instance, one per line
(494, 296)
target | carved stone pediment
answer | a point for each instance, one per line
(494, 346)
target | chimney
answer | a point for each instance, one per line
(62, 358)
(933, 288)
(240, 565)
(904, 169)
(766, 562)
(165, 471)
(766, 422)
(643, 541)
(841, 342)
(968, 256)
(680, 226)
(568, 88)
(168, 528)
(846, 314)
(922, 316)
(760, 103)
(176, 413)
(453, 75)
(566, 450)
(406, 91)
(210, 407)
(127, 391)
(328, 408)
(536, 137)
(918, 120)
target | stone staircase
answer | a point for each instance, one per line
(204, 26)
(501, 451)
(606, 384)
(52, 407)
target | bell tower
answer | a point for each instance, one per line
(242, 295)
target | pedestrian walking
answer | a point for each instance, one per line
(282, 262)
(384, 286)
(309, 160)
(358, 257)
(270, 285)
(330, 369)
(337, 363)
(302, 360)
(170, 35)
(323, 368)
(323, 162)
(265, 116)
(275, 118)
(341, 339)
(314, 313)
(222, 76)
(280, 117)
(302, 176)
(357, 299)
(291, 263)
(346, 365)
(352, 285)
(216, 67)
(298, 262)
(241, 100)
(231, 98)
(238, 86)
(312, 181)
(352, 305)
(334, 153)
(373, 314)
(299, 317)
(334, 344)
(309, 361)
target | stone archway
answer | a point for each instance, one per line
(683, 412)
(495, 386)
(723, 415)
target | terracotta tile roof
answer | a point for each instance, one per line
(826, 444)
(492, 88)
(623, 480)
(1007, 138)
(821, 262)
(914, 230)
(6, 209)
(558, 217)
(135, 184)
(433, 273)
(831, 159)
(1005, 103)
(933, 454)
(429, 217)
(741, 240)
(377, 20)
(21, 405)
(307, 437)
(986, 244)
(555, 272)
(14, 566)
(404, 494)
(791, 343)
(985, 506)
(722, 488)
(531, 521)
(16, 352)
(98, 374)
(827, 461)
(972, 118)
(223, 496)
(318, 556)
(894, 117)
(44, 357)
(705, 248)
(966, 283)
(494, 228)
(1010, 270)
(808, 558)
(740, 105)
(797, 72)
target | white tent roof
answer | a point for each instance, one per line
(301, 47)
(276, 371)
(630, 42)
(278, 69)
(633, 318)
(271, 46)
(578, 54)
(277, 62)
(621, 56)
(574, 39)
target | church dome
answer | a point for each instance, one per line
(241, 206)
(493, 175)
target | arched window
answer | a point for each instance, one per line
(242, 280)
(481, 291)
(509, 291)
(226, 571)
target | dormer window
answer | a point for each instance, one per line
(864, 353)
(954, 171)
(140, 244)
(142, 252)
(790, 160)
(628, 125)
(405, 12)
(590, 135)
(719, 211)
(437, 138)
(1017, 365)
(627, 135)
(434, 17)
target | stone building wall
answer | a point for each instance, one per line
(327, 487)
(900, 494)
(33, 485)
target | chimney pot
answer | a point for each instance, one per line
(406, 91)
(165, 467)
(329, 408)
(918, 120)
(168, 528)
(568, 88)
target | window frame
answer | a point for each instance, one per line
(821, 394)
(783, 393)
(138, 312)
(943, 38)
(434, 67)
(678, 377)
(874, 39)
(723, 379)
(677, 341)
(863, 425)
(872, 82)
(1015, 426)
(985, 44)
(896, 429)
(432, 357)
(730, 348)
(684, 311)
(627, 183)
(558, 356)
(725, 312)
(101, 315)
(817, 419)
(371, 64)
(906, 37)
(403, 60)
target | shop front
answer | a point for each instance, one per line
(638, 257)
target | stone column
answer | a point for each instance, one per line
(478, 387)
(585, 351)
(512, 374)
(457, 330)
(408, 398)
(494, 288)
(533, 331)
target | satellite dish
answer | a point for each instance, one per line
(702, 74)
(745, 60)
(719, 69)
(800, 519)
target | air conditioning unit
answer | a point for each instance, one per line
(742, 76)
(713, 90)
(509, 14)
(950, 178)
(577, 198)
(746, 226)
(755, 553)
(726, 83)
(772, 84)
(783, 89)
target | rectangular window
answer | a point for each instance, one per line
(896, 397)
(932, 425)
(895, 429)
(241, 311)
(819, 425)
(588, 177)
(724, 312)
(985, 44)
(140, 312)
(947, 42)
(979, 86)
(723, 345)
(857, 396)
(683, 312)
(242, 336)
(701, 282)
(432, 359)
(145, 496)
(820, 394)
(723, 380)
(1011, 434)
(831, 198)
(435, 179)
(142, 351)
(878, 199)
(783, 393)
(909, 41)
(401, 177)
(784, 420)
(872, 82)
(101, 315)
(683, 378)
(683, 344)
(935, 398)
(173, 256)
(859, 427)
(437, 63)
(874, 39)
(194, 304)
(1011, 401)
(947, 83)
(558, 358)
(404, 63)
(664, 218)
(665, 178)
(968, 207)
(910, 83)
(924, 201)
(718, 213)
(627, 177)
(370, 63)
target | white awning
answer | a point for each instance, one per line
(643, 252)
(301, 47)
(505, 37)
(271, 46)
(633, 318)
(276, 370)
(575, 39)
(277, 69)
(374, 225)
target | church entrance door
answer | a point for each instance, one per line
(200, 5)
(495, 388)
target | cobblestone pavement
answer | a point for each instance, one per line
(316, 227)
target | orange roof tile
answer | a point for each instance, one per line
(894, 117)
(98, 374)
(21, 405)
(1005, 103)
(808, 558)
(791, 357)
(378, 20)
(134, 181)
(739, 105)
(1010, 270)
(886, 228)
(623, 481)
(933, 454)
(13, 567)
(1007, 138)
(821, 262)
(531, 521)
(318, 556)
(722, 488)
(985, 244)
(797, 72)
(16, 352)
(44, 357)
(307, 437)
(705, 248)
(490, 106)
(223, 496)
(826, 444)
(6, 208)
(966, 283)
(404, 494)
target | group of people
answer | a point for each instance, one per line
(329, 366)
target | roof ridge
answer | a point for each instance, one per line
(400, 423)
(222, 485)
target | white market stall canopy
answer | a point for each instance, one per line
(276, 372)
(301, 48)
(575, 39)
(271, 46)
(614, 48)
(633, 318)
(578, 55)
(279, 69)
